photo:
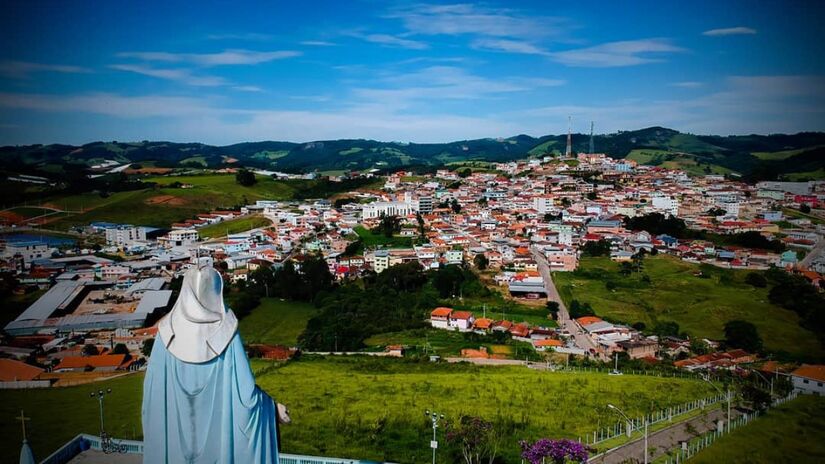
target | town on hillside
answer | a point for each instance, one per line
(87, 306)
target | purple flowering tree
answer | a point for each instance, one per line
(554, 451)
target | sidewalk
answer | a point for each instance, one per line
(663, 440)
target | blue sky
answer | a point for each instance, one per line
(227, 72)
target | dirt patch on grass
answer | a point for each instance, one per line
(10, 217)
(167, 200)
(148, 171)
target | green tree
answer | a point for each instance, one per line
(245, 177)
(756, 279)
(455, 206)
(698, 346)
(120, 348)
(146, 349)
(388, 226)
(553, 307)
(597, 248)
(481, 261)
(89, 350)
(742, 334)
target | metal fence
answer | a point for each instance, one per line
(86, 441)
(666, 414)
(692, 447)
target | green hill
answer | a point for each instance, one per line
(755, 156)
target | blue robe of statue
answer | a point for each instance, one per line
(209, 412)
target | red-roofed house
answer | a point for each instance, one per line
(809, 378)
(99, 363)
(548, 344)
(440, 318)
(462, 320)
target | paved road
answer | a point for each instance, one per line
(581, 338)
(664, 440)
(818, 250)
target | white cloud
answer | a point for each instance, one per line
(108, 104)
(461, 19)
(686, 84)
(318, 43)
(616, 54)
(509, 46)
(181, 75)
(22, 69)
(730, 31)
(391, 40)
(440, 83)
(226, 57)
(250, 36)
(745, 104)
(247, 88)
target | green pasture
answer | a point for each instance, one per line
(276, 322)
(701, 306)
(233, 226)
(371, 240)
(369, 408)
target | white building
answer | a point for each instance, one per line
(809, 379)
(461, 321)
(381, 261)
(124, 235)
(666, 204)
(179, 237)
(28, 250)
(377, 209)
(544, 204)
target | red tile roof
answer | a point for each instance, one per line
(441, 312)
(11, 370)
(811, 371)
(81, 362)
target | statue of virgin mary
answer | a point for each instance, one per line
(200, 401)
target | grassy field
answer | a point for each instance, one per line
(779, 155)
(671, 160)
(371, 240)
(164, 205)
(370, 408)
(59, 414)
(808, 175)
(276, 322)
(790, 433)
(233, 226)
(700, 306)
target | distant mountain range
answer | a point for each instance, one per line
(797, 156)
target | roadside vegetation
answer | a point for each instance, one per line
(791, 432)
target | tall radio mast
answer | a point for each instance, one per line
(591, 137)
(569, 151)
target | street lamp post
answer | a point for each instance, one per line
(99, 394)
(727, 397)
(107, 445)
(435, 418)
(631, 430)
